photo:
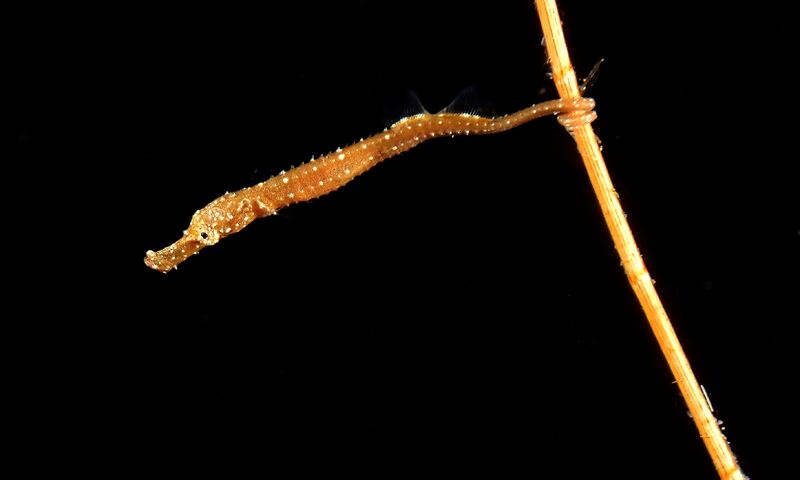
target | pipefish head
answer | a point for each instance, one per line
(220, 218)
(203, 231)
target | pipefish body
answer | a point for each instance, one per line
(233, 211)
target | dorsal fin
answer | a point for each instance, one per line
(468, 101)
(407, 105)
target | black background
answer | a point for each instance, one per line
(457, 310)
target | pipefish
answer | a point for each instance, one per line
(233, 211)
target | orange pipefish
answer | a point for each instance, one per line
(233, 211)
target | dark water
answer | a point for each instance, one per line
(459, 309)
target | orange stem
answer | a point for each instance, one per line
(567, 85)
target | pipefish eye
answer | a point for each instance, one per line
(206, 235)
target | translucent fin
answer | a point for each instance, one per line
(407, 105)
(469, 101)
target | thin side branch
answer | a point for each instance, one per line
(639, 278)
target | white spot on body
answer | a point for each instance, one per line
(341, 156)
(285, 180)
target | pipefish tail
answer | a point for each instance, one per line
(233, 211)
